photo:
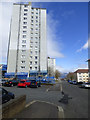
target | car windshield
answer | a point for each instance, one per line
(33, 81)
(88, 83)
(22, 81)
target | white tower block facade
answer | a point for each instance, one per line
(27, 44)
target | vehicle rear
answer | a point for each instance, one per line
(24, 83)
(87, 85)
(33, 83)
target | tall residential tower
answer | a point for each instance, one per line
(27, 43)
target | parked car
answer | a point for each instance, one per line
(87, 85)
(3, 82)
(35, 83)
(11, 83)
(82, 85)
(74, 82)
(5, 96)
(24, 83)
(71, 82)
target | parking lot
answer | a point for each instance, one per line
(77, 107)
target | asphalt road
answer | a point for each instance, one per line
(77, 107)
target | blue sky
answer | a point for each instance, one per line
(71, 31)
(67, 33)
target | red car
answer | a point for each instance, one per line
(24, 83)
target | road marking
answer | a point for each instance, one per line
(60, 112)
(47, 89)
(27, 105)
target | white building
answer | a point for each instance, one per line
(51, 66)
(27, 44)
(82, 75)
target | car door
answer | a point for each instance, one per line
(5, 96)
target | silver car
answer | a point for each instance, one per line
(87, 85)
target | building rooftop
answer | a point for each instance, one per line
(82, 71)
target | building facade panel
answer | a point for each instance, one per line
(28, 39)
(12, 54)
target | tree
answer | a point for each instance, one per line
(57, 74)
(70, 76)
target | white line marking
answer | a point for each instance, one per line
(30, 103)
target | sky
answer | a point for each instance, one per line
(67, 33)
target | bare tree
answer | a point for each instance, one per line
(70, 76)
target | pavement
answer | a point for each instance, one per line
(41, 109)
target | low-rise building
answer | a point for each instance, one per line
(82, 75)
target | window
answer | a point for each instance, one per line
(24, 26)
(25, 18)
(31, 41)
(24, 31)
(23, 50)
(36, 37)
(31, 52)
(35, 57)
(36, 24)
(32, 21)
(37, 9)
(35, 68)
(31, 46)
(25, 9)
(36, 21)
(25, 14)
(24, 36)
(23, 56)
(31, 28)
(30, 68)
(32, 17)
(31, 33)
(30, 62)
(36, 28)
(32, 25)
(35, 62)
(22, 67)
(22, 61)
(31, 38)
(31, 57)
(36, 42)
(25, 6)
(36, 17)
(36, 52)
(24, 46)
(36, 12)
(36, 33)
(36, 47)
(23, 41)
(25, 23)
(32, 12)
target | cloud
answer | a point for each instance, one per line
(54, 44)
(85, 46)
(4, 30)
(65, 70)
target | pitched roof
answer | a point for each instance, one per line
(82, 71)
